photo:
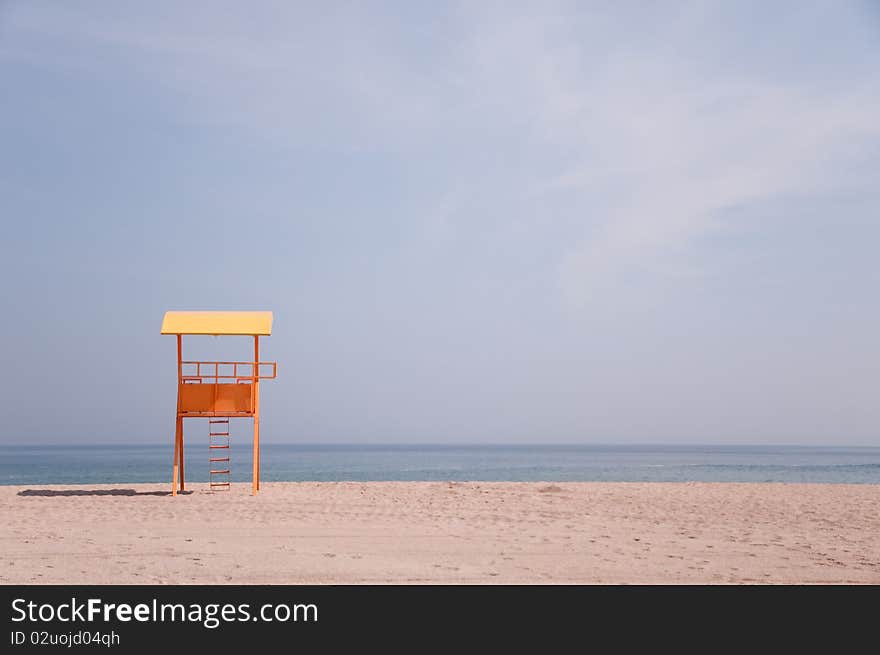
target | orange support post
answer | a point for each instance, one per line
(178, 422)
(176, 472)
(256, 372)
(182, 476)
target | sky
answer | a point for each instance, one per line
(477, 222)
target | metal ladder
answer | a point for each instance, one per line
(218, 464)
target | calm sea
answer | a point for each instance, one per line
(34, 465)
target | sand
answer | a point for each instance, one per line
(441, 532)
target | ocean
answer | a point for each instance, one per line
(41, 465)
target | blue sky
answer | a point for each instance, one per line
(475, 222)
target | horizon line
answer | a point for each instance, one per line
(459, 444)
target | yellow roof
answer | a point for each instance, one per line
(250, 323)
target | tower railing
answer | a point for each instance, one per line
(194, 372)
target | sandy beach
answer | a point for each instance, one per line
(440, 532)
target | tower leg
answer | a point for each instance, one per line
(256, 455)
(177, 438)
(182, 476)
(256, 414)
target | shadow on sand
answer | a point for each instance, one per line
(95, 492)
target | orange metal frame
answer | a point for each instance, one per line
(217, 376)
(221, 402)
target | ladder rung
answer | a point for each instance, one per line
(212, 446)
(218, 420)
(218, 434)
(224, 471)
(219, 484)
(218, 459)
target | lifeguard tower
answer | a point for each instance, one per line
(218, 391)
